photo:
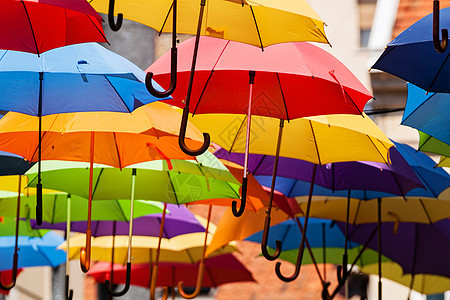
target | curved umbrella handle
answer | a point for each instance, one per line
(297, 267)
(127, 284)
(173, 78)
(112, 24)
(85, 253)
(238, 213)
(198, 285)
(440, 46)
(68, 293)
(342, 269)
(181, 137)
(14, 275)
(165, 295)
(264, 240)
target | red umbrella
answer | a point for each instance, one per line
(7, 276)
(37, 26)
(219, 270)
(286, 81)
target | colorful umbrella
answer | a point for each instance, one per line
(427, 143)
(258, 23)
(428, 112)
(37, 248)
(418, 248)
(221, 269)
(38, 26)
(427, 284)
(82, 77)
(227, 70)
(412, 57)
(313, 139)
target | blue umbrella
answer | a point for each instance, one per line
(428, 112)
(412, 56)
(75, 78)
(34, 251)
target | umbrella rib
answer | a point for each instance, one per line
(210, 275)
(43, 135)
(357, 211)
(190, 256)
(238, 133)
(315, 142)
(379, 152)
(437, 73)
(323, 35)
(126, 106)
(259, 164)
(426, 212)
(100, 31)
(360, 112)
(257, 29)
(121, 211)
(423, 144)
(97, 182)
(173, 188)
(53, 208)
(31, 27)
(210, 76)
(117, 150)
(165, 20)
(415, 109)
(282, 96)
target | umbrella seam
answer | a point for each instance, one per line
(315, 142)
(257, 29)
(31, 27)
(415, 110)
(282, 96)
(120, 97)
(437, 73)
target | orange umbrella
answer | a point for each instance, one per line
(119, 140)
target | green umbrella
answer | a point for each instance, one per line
(55, 208)
(444, 162)
(186, 181)
(169, 181)
(430, 144)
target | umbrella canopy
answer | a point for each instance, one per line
(220, 269)
(117, 136)
(36, 247)
(13, 164)
(444, 162)
(222, 80)
(186, 181)
(427, 143)
(320, 232)
(319, 140)
(397, 178)
(428, 112)
(412, 56)
(266, 23)
(55, 209)
(37, 26)
(417, 248)
(178, 220)
(82, 77)
(186, 248)
(427, 284)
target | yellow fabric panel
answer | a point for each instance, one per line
(288, 21)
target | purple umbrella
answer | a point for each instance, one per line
(418, 248)
(179, 220)
(397, 178)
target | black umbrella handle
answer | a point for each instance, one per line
(238, 213)
(181, 137)
(439, 45)
(112, 24)
(39, 204)
(126, 287)
(342, 270)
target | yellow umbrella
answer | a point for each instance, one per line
(394, 209)
(185, 248)
(319, 139)
(444, 162)
(423, 283)
(270, 23)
